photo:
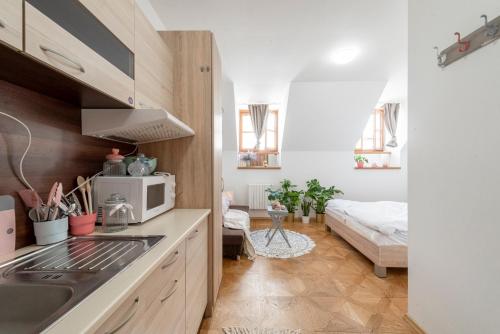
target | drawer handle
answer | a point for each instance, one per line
(171, 262)
(171, 292)
(57, 53)
(193, 235)
(127, 319)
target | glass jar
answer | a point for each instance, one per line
(114, 165)
(139, 167)
(115, 214)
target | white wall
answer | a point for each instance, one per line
(454, 136)
(330, 167)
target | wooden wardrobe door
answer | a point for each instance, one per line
(217, 167)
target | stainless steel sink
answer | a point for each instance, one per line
(40, 287)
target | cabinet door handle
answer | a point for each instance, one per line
(127, 319)
(78, 66)
(171, 292)
(172, 261)
(193, 235)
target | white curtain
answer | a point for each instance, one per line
(258, 116)
(391, 114)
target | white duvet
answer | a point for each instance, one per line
(385, 217)
(240, 220)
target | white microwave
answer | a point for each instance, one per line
(148, 195)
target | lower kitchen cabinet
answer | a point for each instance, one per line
(172, 300)
(196, 277)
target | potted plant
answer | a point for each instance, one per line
(360, 160)
(320, 196)
(291, 198)
(306, 208)
(247, 159)
(286, 195)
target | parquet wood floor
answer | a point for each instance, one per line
(331, 290)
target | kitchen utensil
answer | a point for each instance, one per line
(50, 199)
(7, 225)
(56, 201)
(68, 210)
(42, 212)
(89, 194)
(30, 198)
(78, 209)
(81, 184)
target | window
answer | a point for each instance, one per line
(269, 140)
(373, 140)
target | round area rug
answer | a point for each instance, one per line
(278, 248)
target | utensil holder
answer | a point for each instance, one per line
(51, 231)
(82, 225)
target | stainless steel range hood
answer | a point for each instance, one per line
(133, 126)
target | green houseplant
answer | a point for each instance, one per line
(360, 160)
(286, 195)
(305, 205)
(320, 196)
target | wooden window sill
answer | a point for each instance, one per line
(381, 167)
(259, 167)
(371, 152)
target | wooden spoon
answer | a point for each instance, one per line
(89, 193)
(81, 185)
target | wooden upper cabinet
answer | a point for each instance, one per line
(11, 23)
(68, 37)
(154, 65)
(117, 16)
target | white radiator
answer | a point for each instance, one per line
(257, 197)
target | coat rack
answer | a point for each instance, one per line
(488, 33)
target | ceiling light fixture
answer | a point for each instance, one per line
(344, 55)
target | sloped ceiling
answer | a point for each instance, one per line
(328, 115)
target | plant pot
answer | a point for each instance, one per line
(305, 219)
(82, 225)
(51, 231)
(320, 218)
(290, 217)
(360, 164)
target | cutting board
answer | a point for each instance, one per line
(7, 225)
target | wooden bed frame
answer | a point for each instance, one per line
(382, 256)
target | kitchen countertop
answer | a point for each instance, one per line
(87, 316)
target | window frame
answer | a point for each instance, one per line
(266, 151)
(381, 113)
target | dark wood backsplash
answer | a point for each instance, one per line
(58, 151)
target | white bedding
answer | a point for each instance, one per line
(240, 220)
(385, 217)
(373, 235)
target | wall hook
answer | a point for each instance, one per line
(441, 57)
(463, 46)
(491, 29)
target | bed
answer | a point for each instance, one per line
(379, 230)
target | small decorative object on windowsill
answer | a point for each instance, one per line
(360, 160)
(247, 159)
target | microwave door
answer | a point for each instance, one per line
(155, 196)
